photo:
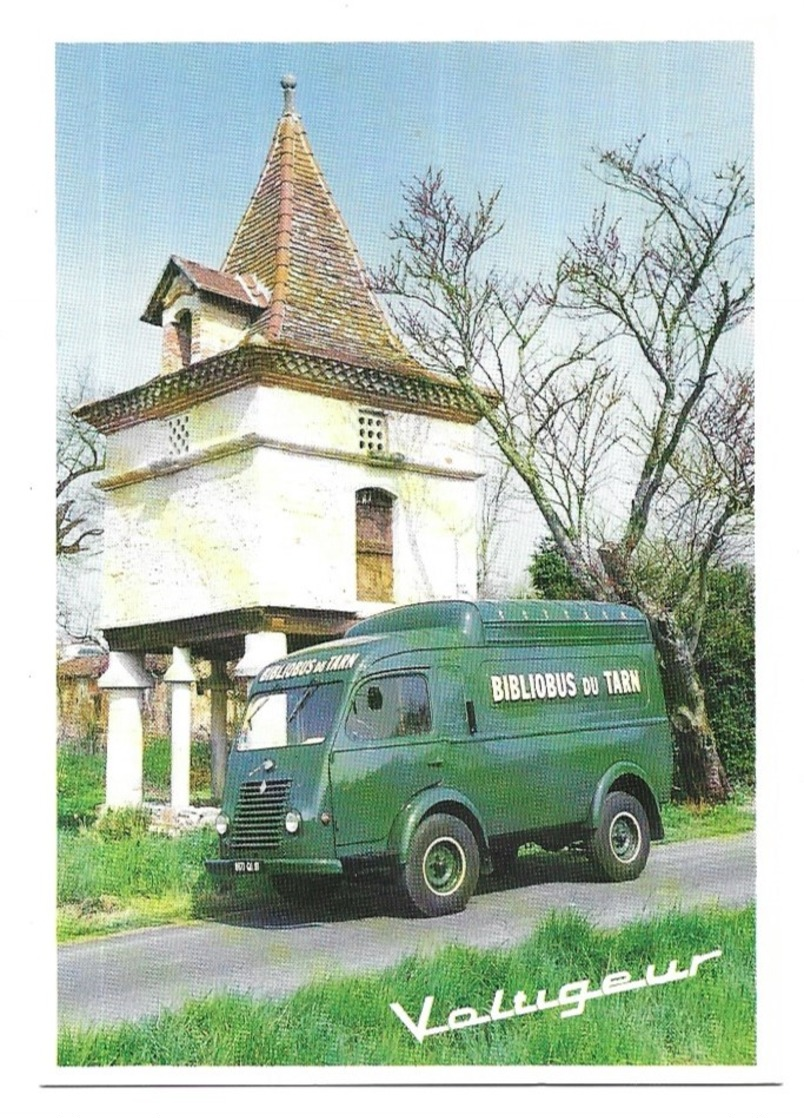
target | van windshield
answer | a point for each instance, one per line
(296, 716)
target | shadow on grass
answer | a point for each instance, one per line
(309, 902)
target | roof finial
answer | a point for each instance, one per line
(288, 84)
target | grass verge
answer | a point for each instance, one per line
(81, 780)
(695, 821)
(108, 885)
(707, 1020)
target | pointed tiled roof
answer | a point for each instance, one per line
(294, 239)
(319, 327)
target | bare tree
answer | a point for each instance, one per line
(488, 334)
(707, 499)
(637, 389)
(80, 452)
(498, 509)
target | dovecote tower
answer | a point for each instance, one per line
(291, 467)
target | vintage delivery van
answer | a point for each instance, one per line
(435, 739)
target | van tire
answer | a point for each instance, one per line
(620, 844)
(443, 866)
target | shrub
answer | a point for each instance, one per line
(123, 823)
(550, 574)
(726, 664)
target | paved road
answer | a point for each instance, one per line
(136, 974)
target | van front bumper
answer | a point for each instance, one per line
(273, 867)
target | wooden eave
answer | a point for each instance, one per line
(265, 364)
(223, 634)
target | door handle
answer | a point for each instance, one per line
(436, 762)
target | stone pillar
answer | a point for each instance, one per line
(261, 649)
(218, 685)
(181, 677)
(124, 680)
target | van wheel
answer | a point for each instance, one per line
(621, 843)
(443, 866)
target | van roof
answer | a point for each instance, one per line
(483, 621)
(451, 624)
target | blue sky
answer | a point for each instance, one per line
(158, 147)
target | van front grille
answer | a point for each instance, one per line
(259, 816)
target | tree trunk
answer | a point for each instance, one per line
(699, 772)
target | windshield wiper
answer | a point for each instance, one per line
(305, 696)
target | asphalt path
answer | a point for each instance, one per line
(270, 953)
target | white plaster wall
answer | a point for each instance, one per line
(183, 545)
(219, 328)
(211, 422)
(270, 527)
(435, 540)
(332, 424)
(216, 326)
(311, 505)
(298, 418)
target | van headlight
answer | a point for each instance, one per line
(292, 822)
(222, 824)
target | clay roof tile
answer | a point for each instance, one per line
(236, 288)
(318, 322)
(293, 237)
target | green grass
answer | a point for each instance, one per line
(156, 772)
(81, 780)
(694, 821)
(79, 783)
(108, 880)
(107, 885)
(708, 1020)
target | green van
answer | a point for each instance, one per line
(435, 739)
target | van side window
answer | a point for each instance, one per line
(392, 706)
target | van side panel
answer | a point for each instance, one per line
(370, 784)
(551, 721)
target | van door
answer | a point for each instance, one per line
(386, 750)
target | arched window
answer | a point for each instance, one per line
(374, 545)
(184, 336)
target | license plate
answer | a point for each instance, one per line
(247, 867)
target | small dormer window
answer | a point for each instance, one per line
(372, 432)
(184, 336)
(179, 434)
